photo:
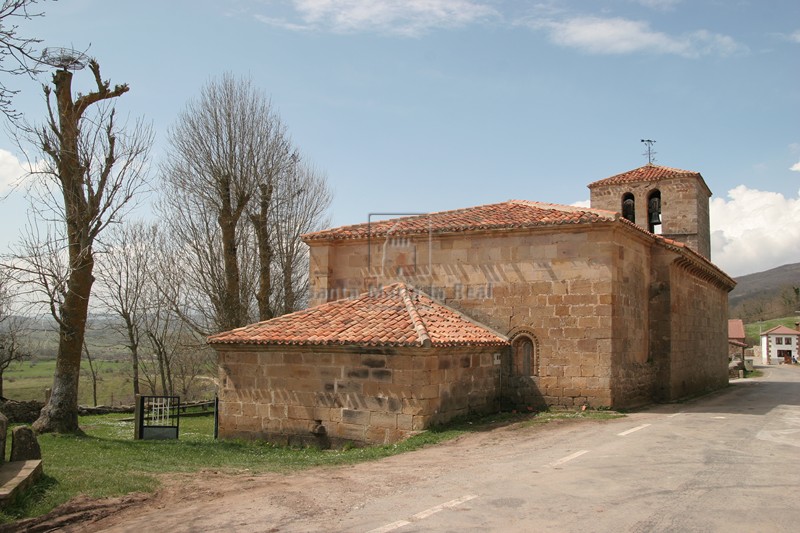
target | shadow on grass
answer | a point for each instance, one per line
(23, 503)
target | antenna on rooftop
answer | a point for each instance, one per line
(64, 58)
(650, 153)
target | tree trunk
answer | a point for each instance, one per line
(133, 346)
(168, 369)
(162, 373)
(289, 299)
(61, 412)
(233, 313)
(259, 220)
(92, 373)
(135, 363)
(232, 307)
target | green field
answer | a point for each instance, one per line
(28, 380)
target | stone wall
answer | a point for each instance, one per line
(633, 373)
(699, 333)
(556, 284)
(614, 323)
(287, 394)
(684, 208)
(735, 352)
(25, 412)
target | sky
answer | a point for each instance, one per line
(429, 105)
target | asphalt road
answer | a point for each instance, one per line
(726, 462)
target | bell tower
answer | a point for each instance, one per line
(665, 201)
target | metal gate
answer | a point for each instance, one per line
(157, 417)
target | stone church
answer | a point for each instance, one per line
(419, 319)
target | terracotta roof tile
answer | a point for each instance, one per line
(646, 173)
(506, 215)
(397, 315)
(736, 328)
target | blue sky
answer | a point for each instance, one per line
(427, 105)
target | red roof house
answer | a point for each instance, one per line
(780, 345)
(374, 368)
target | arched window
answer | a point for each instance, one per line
(524, 356)
(629, 207)
(654, 212)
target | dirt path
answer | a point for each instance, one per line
(309, 500)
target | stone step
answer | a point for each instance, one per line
(17, 476)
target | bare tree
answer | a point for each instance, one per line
(122, 274)
(16, 52)
(13, 344)
(92, 171)
(226, 153)
(168, 311)
(193, 361)
(210, 159)
(13, 328)
(302, 198)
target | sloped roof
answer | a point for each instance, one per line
(397, 315)
(781, 330)
(736, 329)
(506, 215)
(647, 173)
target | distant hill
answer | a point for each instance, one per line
(764, 295)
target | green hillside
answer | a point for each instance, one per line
(754, 329)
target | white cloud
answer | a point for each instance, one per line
(795, 167)
(659, 4)
(795, 37)
(599, 35)
(11, 171)
(754, 230)
(751, 230)
(401, 17)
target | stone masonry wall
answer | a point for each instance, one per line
(699, 332)
(286, 394)
(660, 321)
(555, 284)
(684, 208)
(632, 370)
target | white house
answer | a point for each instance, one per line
(780, 345)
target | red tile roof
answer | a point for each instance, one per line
(506, 215)
(648, 172)
(397, 315)
(781, 330)
(736, 328)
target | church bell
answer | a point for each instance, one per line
(654, 211)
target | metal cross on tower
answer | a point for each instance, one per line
(650, 153)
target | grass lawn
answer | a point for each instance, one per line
(27, 380)
(107, 462)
